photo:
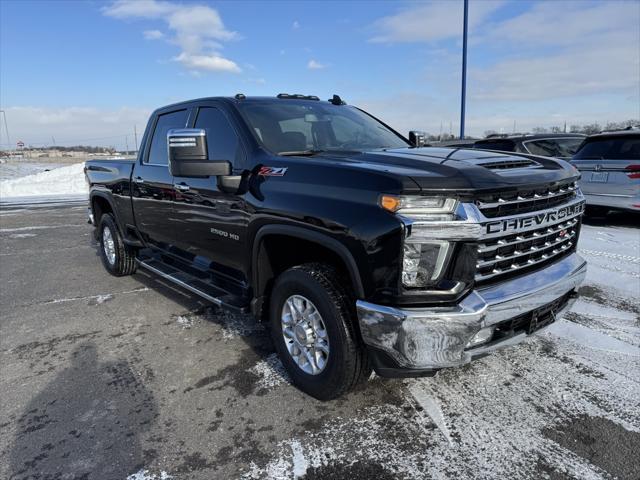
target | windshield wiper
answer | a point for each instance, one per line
(300, 153)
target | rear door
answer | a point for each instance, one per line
(605, 164)
(212, 224)
(153, 194)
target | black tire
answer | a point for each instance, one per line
(347, 363)
(596, 211)
(124, 262)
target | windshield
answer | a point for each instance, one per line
(554, 147)
(307, 127)
(611, 148)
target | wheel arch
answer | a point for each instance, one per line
(101, 203)
(262, 268)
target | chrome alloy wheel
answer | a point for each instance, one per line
(305, 334)
(109, 246)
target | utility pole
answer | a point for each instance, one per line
(126, 141)
(464, 67)
(135, 136)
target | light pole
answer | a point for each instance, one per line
(6, 128)
(464, 67)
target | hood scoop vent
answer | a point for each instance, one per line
(506, 164)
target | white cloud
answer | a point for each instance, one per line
(570, 53)
(77, 125)
(153, 34)
(582, 72)
(315, 65)
(198, 31)
(212, 63)
(139, 8)
(565, 49)
(431, 22)
(295, 25)
(568, 24)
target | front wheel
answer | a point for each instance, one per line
(118, 258)
(312, 325)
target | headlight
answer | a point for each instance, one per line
(423, 263)
(424, 258)
(420, 208)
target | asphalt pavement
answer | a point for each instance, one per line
(133, 378)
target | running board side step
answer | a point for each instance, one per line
(193, 284)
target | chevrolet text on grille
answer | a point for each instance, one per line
(515, 224)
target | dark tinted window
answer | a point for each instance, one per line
(611, 148)
(288, 126)
(501, 145)
(222, 141)
(167, 121)
(554, 147)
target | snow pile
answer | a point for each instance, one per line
(60, 181)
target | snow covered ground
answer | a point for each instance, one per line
(17, 168)
(62, 181)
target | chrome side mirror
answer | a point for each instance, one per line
(188, 157)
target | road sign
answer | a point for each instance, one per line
(20, 144)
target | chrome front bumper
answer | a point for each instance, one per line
(432, 338)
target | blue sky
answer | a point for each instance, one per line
(80, 71)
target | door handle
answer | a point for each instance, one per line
(182, 187)
(138, 180)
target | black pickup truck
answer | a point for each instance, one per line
(360, 248)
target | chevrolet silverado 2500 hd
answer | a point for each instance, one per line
(358, 247)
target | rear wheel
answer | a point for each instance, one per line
(118, 258)
(312, 325)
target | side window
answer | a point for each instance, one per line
(158, 151)
(222, 141)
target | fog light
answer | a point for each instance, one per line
(483, 336)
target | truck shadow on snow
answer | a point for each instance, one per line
(614, 219)
(86, 423)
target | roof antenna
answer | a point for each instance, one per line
(336, 100)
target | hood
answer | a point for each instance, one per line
(439, 169)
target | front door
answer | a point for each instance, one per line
(212, 224)
(153, 193)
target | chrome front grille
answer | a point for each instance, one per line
(516, 252)
(525, 201)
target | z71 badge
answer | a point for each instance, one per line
(273, 171)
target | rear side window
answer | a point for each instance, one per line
(222, 140)
(501, 145)
(158, 151)
(554, 147)
(619, 148)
